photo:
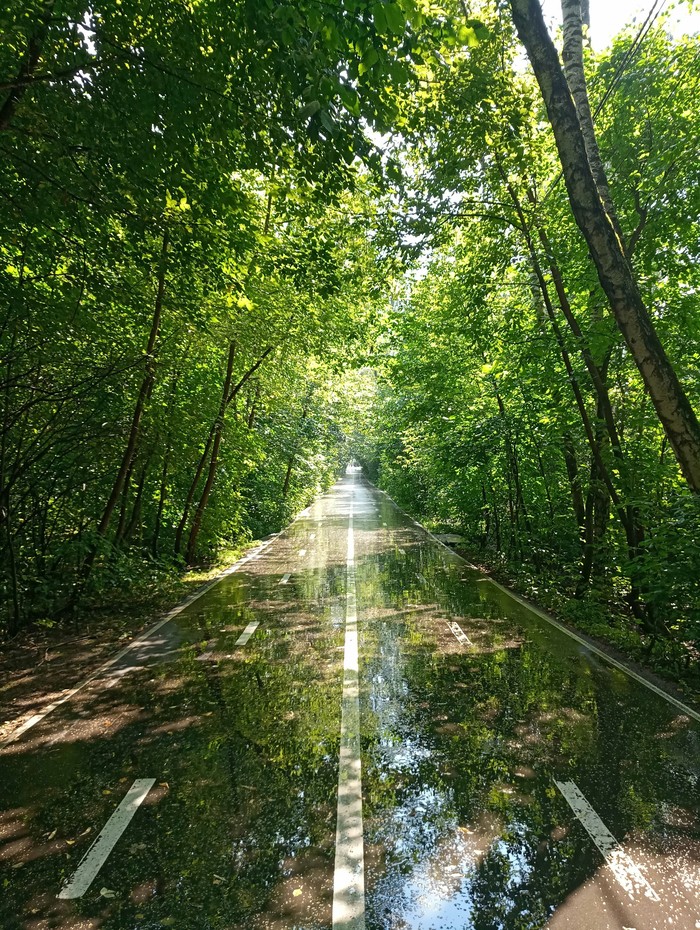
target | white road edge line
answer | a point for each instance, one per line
(285, 578)
(49, 708)
(247, 633)
(560, 626)
(349, 874)
(599, 652)
(625, 870)
(96, 856)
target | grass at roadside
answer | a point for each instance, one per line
(610, 629)
(609, 624)
(48, 657)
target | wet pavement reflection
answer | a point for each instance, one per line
(473, 710)
(464, 742)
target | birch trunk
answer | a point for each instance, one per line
(665, 390)
(572, 56)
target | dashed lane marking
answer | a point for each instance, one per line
(302, 553)
(96, 856)
(247, 633)
(625, 870)
(241, 641)
(459, 634)
(285, 578)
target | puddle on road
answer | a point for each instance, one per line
(239, 831)
(464, 826)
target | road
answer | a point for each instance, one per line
(503, 775)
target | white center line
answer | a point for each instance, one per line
(284, 579)
(349, 875)
(96, 856)
(459, 633)
(247, 633)
(625, 870)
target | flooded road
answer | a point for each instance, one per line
(503, 776)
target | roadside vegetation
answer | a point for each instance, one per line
(243, 243)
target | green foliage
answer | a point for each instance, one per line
(242, 244)
(180, 183)
(487, 398)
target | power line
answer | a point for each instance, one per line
(634, 48)
(644, 30)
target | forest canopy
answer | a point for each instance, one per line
(242, 243)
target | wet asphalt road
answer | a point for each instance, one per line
(509, 777)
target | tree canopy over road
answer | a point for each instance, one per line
(244, 242)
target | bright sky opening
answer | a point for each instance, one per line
(608, 18)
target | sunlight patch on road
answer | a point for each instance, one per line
(625, 870)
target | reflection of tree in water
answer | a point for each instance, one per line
(279, 759)
(493, 729)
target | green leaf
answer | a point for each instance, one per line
(395, 19)
(466, 35)
(313, 106)
(370, 57)
(379, 18)
(351, 101)
(327, 121)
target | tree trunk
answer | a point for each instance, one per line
(486, 517)
(14, 620)
(192, 490)
(233, 393)
(214, 460)
(126, 493)
(28, 66)
(597, 517)
(292, 457)
(144, 394)
(572, 56)
(162, 494)
(138, 503)
(288, 476)
(670, 401)
(628, 516)
(572, 470)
